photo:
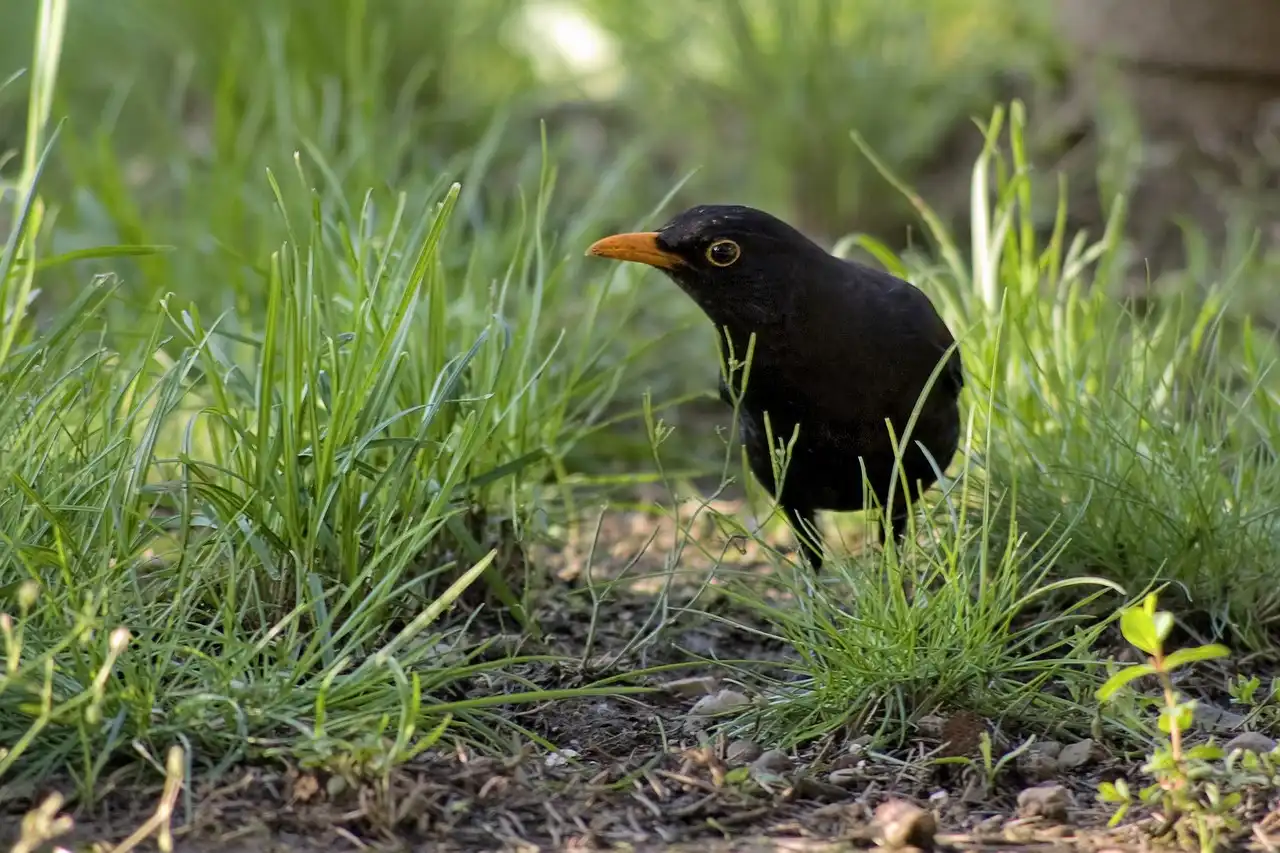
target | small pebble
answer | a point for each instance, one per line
(335, 786)
(1040, 760)
(1050, 748)
(772, 761)
(1047, 801)
(560, 758)
(741, 752)
(720, 702)
(930, 725)
(1251, 742)
(1077, 754)
(858, 745)
(1213, 718)
(900, 823)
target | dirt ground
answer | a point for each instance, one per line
(643, 773)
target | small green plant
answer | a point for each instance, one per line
(1186, 792)
(1244, 691)
(1261, 708)
(986, 768)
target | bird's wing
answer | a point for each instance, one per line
(934, 332)
(872, 336)
(916, 324)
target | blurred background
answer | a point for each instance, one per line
(759, 97)
(751, 100)
(169, 104)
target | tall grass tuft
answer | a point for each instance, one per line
(236, 519)
(1153, 435)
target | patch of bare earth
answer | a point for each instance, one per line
(645, 772)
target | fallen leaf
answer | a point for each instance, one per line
(701, 685)
(305, 787)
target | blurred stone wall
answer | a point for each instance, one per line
(1203, 78)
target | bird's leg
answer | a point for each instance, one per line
(801, 519)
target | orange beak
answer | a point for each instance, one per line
(641, 247)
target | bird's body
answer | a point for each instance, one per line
(840, 348)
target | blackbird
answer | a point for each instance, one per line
(840, 348)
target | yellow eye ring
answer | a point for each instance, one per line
(723, 253)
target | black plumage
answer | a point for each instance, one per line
(840, 348)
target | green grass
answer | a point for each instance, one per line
(279, 500)
(967, 623)
(300, 356)
(1155, 435)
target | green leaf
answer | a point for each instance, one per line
(1140, 630)
(1163, 621)
(1121, 678)
(1205, 752)
(1243, 690)
(1185, 656)
(96, 253)
(1160, 761)
(1182, 713)
(1108, 793)
(955, 759)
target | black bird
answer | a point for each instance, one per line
(840, 348)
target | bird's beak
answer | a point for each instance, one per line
(641, 247)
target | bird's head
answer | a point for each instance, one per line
(741, 265)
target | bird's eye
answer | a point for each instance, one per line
(723, 253)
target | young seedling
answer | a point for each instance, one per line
(986, 768)
(1183, 793)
